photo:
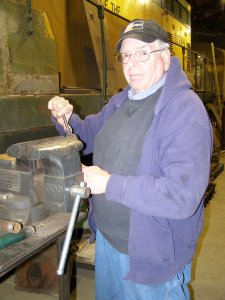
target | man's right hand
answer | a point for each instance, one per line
(59, 107)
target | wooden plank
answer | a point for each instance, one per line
(85, 253)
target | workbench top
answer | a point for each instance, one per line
(47, 231)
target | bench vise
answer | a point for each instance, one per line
(39, 178)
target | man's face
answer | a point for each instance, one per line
(142, 75)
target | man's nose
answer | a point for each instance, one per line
(132, 58)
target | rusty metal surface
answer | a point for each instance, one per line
(39, 273)
(47, 231)
(28, 60)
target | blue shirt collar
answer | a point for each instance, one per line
(132, 95)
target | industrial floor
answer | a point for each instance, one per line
(208, 280)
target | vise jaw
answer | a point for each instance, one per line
(36, 178)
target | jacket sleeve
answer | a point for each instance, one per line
(184, 162)
(87, 128)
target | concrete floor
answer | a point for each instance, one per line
(208, 281)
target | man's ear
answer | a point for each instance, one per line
(166, 58)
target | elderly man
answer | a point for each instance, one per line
(151, 149)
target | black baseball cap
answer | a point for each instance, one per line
(144, 30)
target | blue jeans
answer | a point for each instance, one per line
(110, 268)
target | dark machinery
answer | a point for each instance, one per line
(38, 181)
(42, 177)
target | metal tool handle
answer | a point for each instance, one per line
(70, 228)
(68, 128)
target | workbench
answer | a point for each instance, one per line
(49, 230)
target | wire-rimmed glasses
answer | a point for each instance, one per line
(140, 55)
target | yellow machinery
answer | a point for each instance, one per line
(84, 29)
(68, 47)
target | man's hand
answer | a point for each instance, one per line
(59, 107)
(96, 179)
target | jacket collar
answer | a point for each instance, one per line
(175, 81)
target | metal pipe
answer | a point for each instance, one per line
(81, 192)
(219, 105)
(104, 62)
(29, 17)
(10, 226)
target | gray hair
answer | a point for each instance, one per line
(162, 45)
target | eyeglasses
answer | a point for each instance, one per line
(140, 55)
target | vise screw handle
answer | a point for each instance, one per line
(79, 192)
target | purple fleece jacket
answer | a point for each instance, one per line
(166, 194)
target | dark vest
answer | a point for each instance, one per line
(117, 149)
